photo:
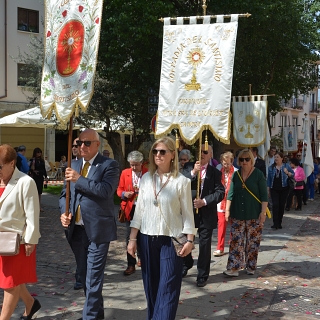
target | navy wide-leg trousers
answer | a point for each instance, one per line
(162, 276)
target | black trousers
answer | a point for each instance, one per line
(204, 259)
(279, 199)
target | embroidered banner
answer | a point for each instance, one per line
(307, 158)
(196, 78)
(249, 120)
(72, 30)
(290, 140)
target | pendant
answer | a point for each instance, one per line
(243, 186)
(155, 202)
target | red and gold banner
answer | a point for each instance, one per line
(72, 32)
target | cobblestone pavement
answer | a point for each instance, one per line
(285, 286)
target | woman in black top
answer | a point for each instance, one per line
(38, 170)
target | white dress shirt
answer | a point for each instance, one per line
(174, 213)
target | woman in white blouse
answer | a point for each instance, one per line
(163, 210)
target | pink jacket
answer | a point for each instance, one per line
(299, 176)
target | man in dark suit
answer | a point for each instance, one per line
(91, 223)
(259, 163)
(211, 193)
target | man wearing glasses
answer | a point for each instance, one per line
(210, 194)
(91, 223)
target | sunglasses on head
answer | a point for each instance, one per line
(242, 159)
(204, 151)
(87, 143)
(162, 152)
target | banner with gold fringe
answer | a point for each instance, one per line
(196, 77)
(72, 34)
(249, 120)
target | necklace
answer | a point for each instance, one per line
(155, 201)
(244, 179)
(136, 178)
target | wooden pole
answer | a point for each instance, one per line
(69, 165)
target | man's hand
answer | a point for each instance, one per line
(196, 168)
(72, 175)
(65, 219)
(198, 203)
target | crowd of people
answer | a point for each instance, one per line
(165, 205)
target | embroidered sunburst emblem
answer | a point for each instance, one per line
(195, 56)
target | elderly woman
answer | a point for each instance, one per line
(278, 188)
(184, 157)
(128, 191)
(19, 212)
(227, 170)
(163, 210)
(247, 215)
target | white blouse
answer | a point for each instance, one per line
(172, 215)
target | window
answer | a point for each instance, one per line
(295, 121)
(28, 20)
(273, 121)
(22, 74)
(283, 121)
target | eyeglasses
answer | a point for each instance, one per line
(204, 151)
(74, 146)
(162, 152)
(87, 143)
(183, 159)
(242, 159)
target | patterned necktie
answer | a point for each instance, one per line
(84, 173)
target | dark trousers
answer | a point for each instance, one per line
(91, 260)
(204, 259)
(279, 199)
(298, 193)
(305, 193)
(162, 276)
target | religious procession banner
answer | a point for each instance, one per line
(249, 120)
(264, 148)
(290, 140)
(307, 159)
(196, 78)
(72, 32)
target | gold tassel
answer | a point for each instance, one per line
(177, 141)
(206, 142)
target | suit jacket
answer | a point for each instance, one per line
(125, 184)
(212, 191)
(95, 196)
(19, 207)
(261, 165)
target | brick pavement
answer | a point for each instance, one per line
(286, 285)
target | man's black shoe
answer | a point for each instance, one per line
(77, 286)
(201, 282)
(184, 271)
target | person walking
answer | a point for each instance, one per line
(163, 211)
(246, 208)
(128, 191)
(22, 160)
(19, 212)
(91, 223)
(227, 170)
(278, 188)
(211, 193)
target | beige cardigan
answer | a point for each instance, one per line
(19, 207)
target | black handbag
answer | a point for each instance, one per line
(291, 182)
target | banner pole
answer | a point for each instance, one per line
(199, 173)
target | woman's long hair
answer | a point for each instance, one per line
(174, 165)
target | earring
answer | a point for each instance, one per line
(172, 160)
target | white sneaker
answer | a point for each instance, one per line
(311, 199)
(250, 271)
(231, 273)
(218, 253)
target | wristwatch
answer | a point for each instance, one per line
(190, 241)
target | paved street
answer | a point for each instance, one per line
(286, 285)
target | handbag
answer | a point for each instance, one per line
(267, 211)
(292, 182)
(9, 243)
(121, 215)
(299, 183)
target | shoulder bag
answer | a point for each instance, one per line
(9, 243)
(267, 211)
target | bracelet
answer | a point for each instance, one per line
(190, 241)
(132, 239)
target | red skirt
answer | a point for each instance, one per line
(19, 269)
